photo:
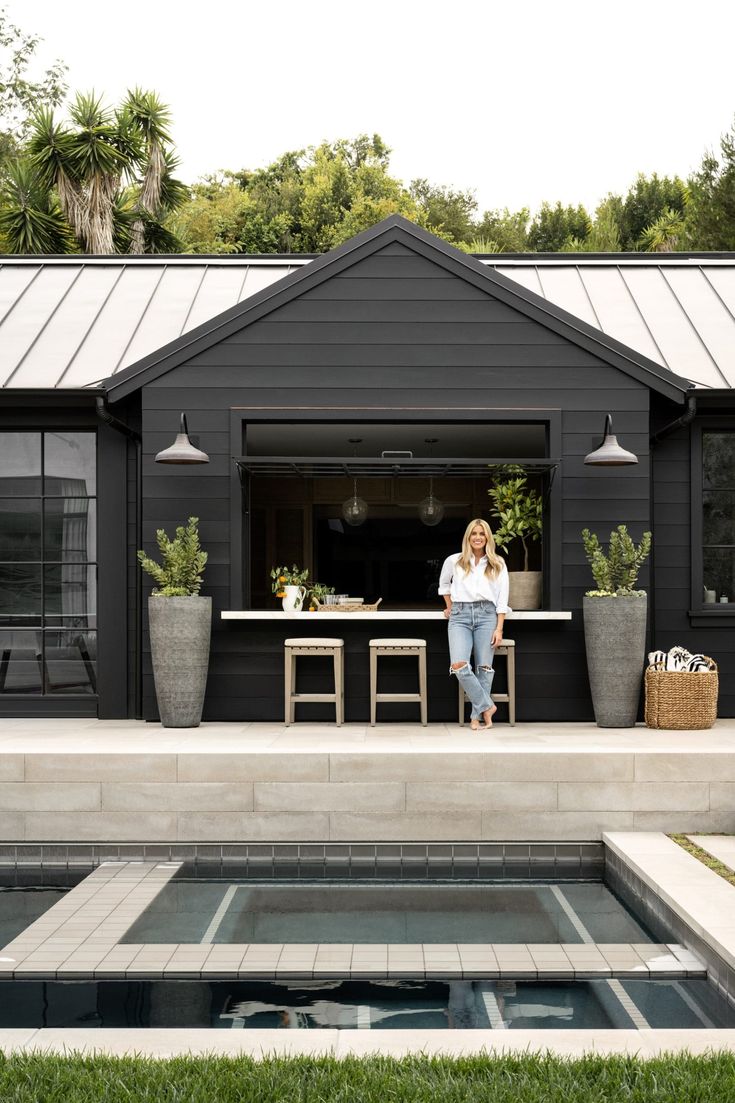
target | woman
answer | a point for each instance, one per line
(474, 585)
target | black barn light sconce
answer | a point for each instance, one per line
(182, 450)
(610, 454)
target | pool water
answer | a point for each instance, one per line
(367, 1005)
(219, 911)
(22, 905)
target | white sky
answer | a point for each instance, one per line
(519, 101)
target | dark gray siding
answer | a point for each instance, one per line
(396, 331)
(672, 493)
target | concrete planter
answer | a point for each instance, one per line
(615, 639)
(525, 589)
(180, 629)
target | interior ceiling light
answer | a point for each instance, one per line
(431, 510)
(610, 454)
(355, 509)
(182, 450)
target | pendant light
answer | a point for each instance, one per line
(610, 454)
(355, 509)
(431, 510)
(182, 450)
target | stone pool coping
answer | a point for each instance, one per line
(173, 1042)
(79, 937)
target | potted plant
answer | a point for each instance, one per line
(519, 512)
(615, 626)
(288, 584)
(180, 623)
(317, 592)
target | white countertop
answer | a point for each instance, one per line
(397, 614)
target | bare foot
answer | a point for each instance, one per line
(474, 725)
(488, 714)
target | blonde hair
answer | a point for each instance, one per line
(494, 562)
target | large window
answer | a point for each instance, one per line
(718, 516)
(48, 572)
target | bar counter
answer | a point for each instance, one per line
(396, 614)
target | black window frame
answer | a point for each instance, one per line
(700, 613)
(43, 628)
(551, 418)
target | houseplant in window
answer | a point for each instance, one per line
(180, 621)
(615, 626)
(518, 511)
(288, 584)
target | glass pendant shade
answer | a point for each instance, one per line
(355, 509)
(431, 510)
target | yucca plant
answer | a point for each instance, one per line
(617, 572)
(180, 573)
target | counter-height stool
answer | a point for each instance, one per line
(318, 645)
(397, 647)
(507, 648)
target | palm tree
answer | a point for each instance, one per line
(111, 172)
(30, 217)
(663, 235)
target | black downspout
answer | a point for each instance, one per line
(104, 414)
(685, 419)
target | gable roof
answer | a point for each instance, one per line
(396, 229)
(69, 322)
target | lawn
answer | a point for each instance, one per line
(531, 1079)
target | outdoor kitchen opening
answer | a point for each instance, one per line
(411, 488)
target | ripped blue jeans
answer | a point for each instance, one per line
(471, 627)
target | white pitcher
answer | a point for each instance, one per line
(294, 599)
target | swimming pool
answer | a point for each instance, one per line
(366, 1005)
(227, 911)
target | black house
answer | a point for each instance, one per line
(393, 367)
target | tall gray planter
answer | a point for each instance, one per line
(615, 639)
(180, 629)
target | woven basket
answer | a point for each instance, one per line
(681, 699)
(349, 607)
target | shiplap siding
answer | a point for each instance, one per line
(394, 330)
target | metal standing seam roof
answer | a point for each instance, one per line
(71, 322)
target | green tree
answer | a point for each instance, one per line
(645, 203)
(21, 96)
(553, 226)
(307, 201)
(110, 171)
(447, 212)
(710, 217)
(501, 232)
(603, 235)
(663, 235)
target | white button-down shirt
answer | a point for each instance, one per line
(474, 586)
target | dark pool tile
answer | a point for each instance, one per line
(388, 851)
(465, 850)
(441, 870)
(362, 852)
(259, 850)
(411, 852)
(340, 851)
(207, 851)
(439, 851)
(182, 851)
(157, 852)
(312, 850)
(312, 871)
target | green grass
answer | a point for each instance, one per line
(30, 1078)
(705, 858)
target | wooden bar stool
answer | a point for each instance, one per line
(507, 648)
(318, 645)
(397, 647)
